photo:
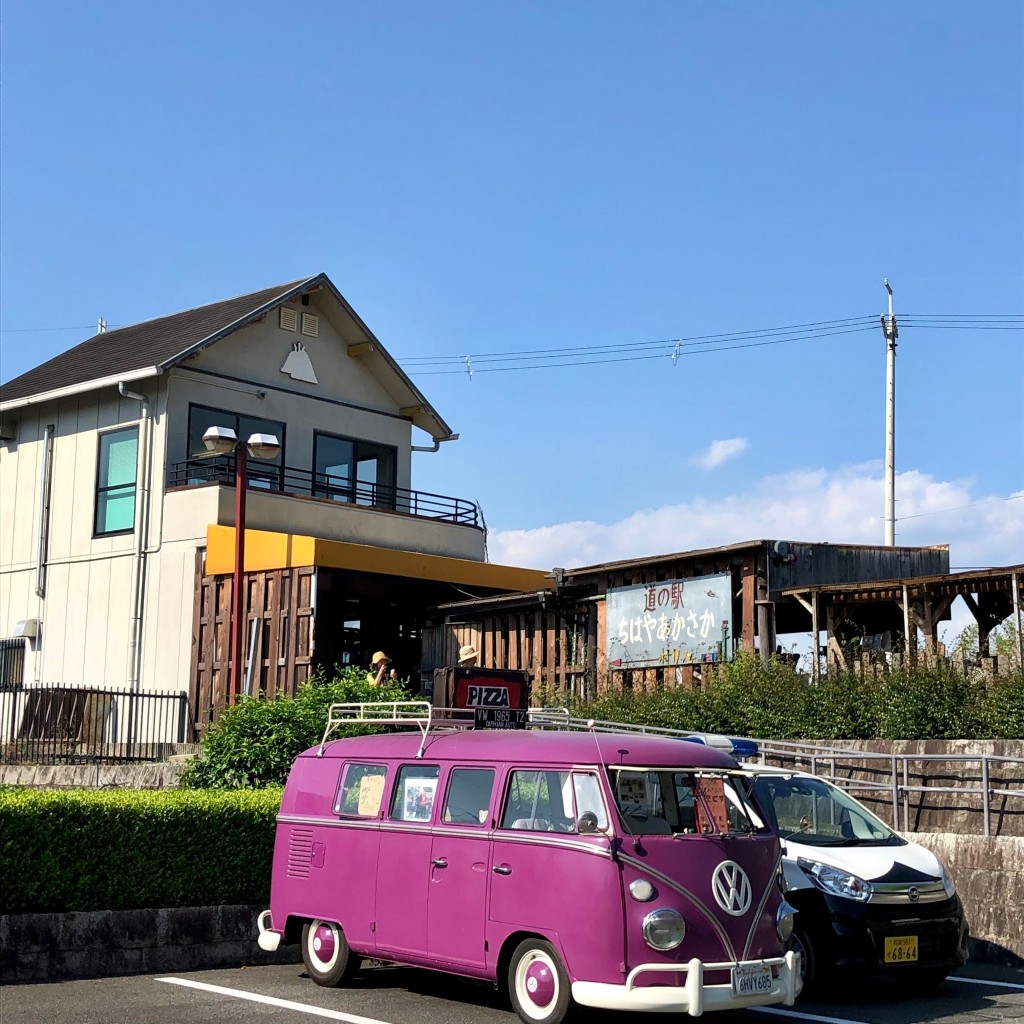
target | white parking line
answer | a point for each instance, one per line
(802, 1016)
(985, 981)
(285, 1004)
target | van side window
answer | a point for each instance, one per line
(539, 801)
(361, 789)
(414, 793)
(591, 815)
(469, 796)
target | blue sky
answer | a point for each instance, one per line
(483, 178)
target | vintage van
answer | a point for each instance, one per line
(606, 870)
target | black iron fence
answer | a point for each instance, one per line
(54, 724)
(309, 484)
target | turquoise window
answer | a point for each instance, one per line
(115, 481)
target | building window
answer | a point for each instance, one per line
(347, 469)
(115, 481)
(12, 663)
(261, 473)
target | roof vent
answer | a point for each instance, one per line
(310, 325)
(288, 319)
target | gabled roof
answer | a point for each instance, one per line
(153, 346)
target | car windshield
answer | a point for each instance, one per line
(681, 802)
(812, 811)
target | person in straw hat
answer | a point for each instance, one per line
(378, 668)
(468, 656)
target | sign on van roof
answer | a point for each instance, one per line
(674, 622)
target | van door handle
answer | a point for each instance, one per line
(439, 862)
(502, 869)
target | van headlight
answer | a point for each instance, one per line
(947, 883)
(784, 921)
(836, 881)
(664, 929)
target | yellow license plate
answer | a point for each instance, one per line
(901, 949)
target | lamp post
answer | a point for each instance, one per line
(224, 441)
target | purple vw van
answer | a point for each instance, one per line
(620, 871)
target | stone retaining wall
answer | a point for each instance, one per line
(989, 875)
(103, 943)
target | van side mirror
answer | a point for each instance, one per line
(587, 822)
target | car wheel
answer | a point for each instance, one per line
(537, 983)
(326, 954)
(812, 972)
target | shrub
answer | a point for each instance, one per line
(254, 743)
(930, 704)
(1004, 707)
(65, 850)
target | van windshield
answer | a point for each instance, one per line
(676, 802)
(812, 811)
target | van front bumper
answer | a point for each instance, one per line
(267, 939)
(693, 996)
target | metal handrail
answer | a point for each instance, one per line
(898, 786)
(306, 483)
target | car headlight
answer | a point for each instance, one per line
(947, 883)
(784, 921)
(664, 929)
(836, 881)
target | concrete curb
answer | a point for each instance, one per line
(104, 943)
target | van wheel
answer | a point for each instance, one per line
(326, 955)
(538, 984)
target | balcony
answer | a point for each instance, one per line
(304, 483)
(201, 492)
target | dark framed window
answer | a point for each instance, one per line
(265, 473)
(468, 799)
(355, 471)
(116, 472)
(361, 790)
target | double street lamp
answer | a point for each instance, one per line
(224, 441)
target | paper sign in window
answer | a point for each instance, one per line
(632, 788)
(710, 806)
(371, 788)
(418, 799)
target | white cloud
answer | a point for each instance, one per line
(721, 451)
(843, 506)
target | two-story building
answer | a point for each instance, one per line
(117, 529)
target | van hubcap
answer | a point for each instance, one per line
(540, 983)
(323, 943)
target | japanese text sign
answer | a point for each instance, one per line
(674, 622)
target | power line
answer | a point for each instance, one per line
(960, 508)
(668, 351)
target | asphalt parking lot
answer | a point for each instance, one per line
(399, 995)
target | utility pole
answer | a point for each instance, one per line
(891, 332)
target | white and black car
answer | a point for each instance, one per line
(868, 900)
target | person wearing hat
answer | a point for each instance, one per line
(378, 668)
(468, 656)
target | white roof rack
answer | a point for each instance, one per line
(397, 712)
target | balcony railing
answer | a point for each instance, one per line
(305, 483)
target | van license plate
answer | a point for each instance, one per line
(901, 949)
(751, 979)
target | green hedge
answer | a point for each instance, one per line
(771, 701)
(63, 850)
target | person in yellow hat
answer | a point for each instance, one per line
(379, 669)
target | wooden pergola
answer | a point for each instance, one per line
(922, 601)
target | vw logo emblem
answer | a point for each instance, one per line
(913, 894)
(731, 887)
